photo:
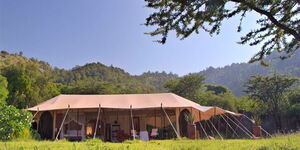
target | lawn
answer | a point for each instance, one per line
(289, 142)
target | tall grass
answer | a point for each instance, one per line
(290, 142)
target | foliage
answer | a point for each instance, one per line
(253, 106)
(288, 142)
(97, 75)
(278, 23)
(13, 122)
(193, 87)
(189, 86)
(3, 90)
(235, 75)
(257, 120)
(217, 89)
(156, 79)
(293, 111)
(270, 91)
(189, 118)
(226, 101)
(31, 81)
(27, 85)
(89, 87)
(35, 135)
(19, 87)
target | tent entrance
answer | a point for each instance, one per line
(46, 125)
(183, 123)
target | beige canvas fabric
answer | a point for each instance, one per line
(124, 101)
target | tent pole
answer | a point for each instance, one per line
(216, 129)
(54, 125)
(62, 122)
(36, 113)
(132, 125)
(77, 120)
(266, 132)
(96, 126)
(37, 121)
(201, 125)
(229, 125)
(211, 131)
(164, 129)
(161, 122)
(261, 127)
(177, 114)
(155, 118)
(238, 126)
(215, 111)
(243, 126)
(203, 129)
(170, 121)
(101, 127)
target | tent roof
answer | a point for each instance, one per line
(121, 101)
(116, 101)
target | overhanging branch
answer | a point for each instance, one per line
(271, 18)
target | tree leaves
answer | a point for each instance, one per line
(279, 24)
(13, 122)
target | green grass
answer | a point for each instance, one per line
(290, 142)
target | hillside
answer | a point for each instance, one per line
(235, 75)
(7, 59)
(93, 75)
(99, 76)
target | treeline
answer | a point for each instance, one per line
(27, 82)
(234, 76)
(272, 101)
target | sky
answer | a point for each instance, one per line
(67, 33)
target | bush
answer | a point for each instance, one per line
(35, 135)
(28, 134)
(13, 122)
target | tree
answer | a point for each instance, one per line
(293, 110)
(3, 90)
(189, 86)
(89, 87)
(279, 24)
(28, 84)
(192, 87)
(270, 91)
(225, 101)
(217, 89)
(19, 87)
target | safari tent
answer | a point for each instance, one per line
(119, 117)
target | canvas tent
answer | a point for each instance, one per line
(83, 115)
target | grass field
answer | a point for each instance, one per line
(290, 142)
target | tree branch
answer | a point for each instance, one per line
(271, 18)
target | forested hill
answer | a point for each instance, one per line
(92, 78)
(97, 78)
(234, 76)
(117, 79)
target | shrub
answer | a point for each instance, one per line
(28, 134)
(35, 135)
(13, 122)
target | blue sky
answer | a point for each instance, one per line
(67, 33)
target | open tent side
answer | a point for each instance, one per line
(134, 109)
